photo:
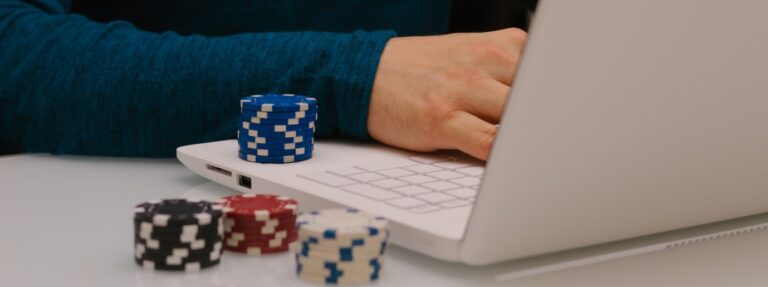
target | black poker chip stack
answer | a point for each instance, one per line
(178, 234)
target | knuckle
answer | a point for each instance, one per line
(489, 134)
(516, 34)
(492, 52)
(461, 74)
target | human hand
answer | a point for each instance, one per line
(444, 92)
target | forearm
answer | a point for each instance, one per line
(75, 86)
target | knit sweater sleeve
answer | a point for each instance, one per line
(74, 86)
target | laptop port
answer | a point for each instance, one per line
(244, 181)
(218, 169)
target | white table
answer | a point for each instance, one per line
(67, 221)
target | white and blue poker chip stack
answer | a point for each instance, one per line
(340, 246)
(277, 128)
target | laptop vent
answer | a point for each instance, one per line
(724, 234)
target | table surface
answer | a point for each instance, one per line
(67, 222)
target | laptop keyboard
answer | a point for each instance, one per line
(419, 184)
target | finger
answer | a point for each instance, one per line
(506, 62)
(486, 100)
(468, 133)
(512, 39)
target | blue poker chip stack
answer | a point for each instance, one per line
(276, 128)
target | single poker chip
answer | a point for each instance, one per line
(178, 260)
(363, 270)
(339, 280)
(245, 138)
(283, 234)
(341, 255)
(307, 133)
(178, 254)
(334, 269)
(260, 207)
(276, 152)
(369, 248)
(278, 121)
(336, 244)
(181, 238)
(257, 250)
(251, 146)
(254, 116)
(315, 263)
(277, 128)
(340, 224)
(272, 243)
(278, 103)
(151, 229)
(238, 238)
(187, 266)
(264, 230)
(197, 244)
(274, 159)
(167, 212)
(249, 224)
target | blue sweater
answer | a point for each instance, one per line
(142, 77)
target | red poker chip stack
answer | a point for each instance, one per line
(257, 224)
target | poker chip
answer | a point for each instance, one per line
(178, 234)
(256, 224)
(258, 116)
(270, 142)
(340, 246)
(177, 211)
(254, 119)
(251, 146)
(276, 128)
(305, 132)
(341, 224)
(276, 152)
(260, 207)
(192, 266)
(278, 103)
(274, 159)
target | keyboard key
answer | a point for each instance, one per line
(371, 191)
(454, 203)
(389, 183)
(377, 166)
(417, 179)
(435, 197)
(445, 174)
(467, 181)
(425, 209)
(395, 172)
(327, 179)
(440, 185)
(422, 168)
(451, 165)
(430, 158)
(406, 202)
(472, 170)
(366, 177)
(345, 171)
(411, 190)
(462, 193)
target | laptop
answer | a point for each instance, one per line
(627, 118)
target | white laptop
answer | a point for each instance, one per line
(627, 118)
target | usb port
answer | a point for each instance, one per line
(244, 181)
(218, 169)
